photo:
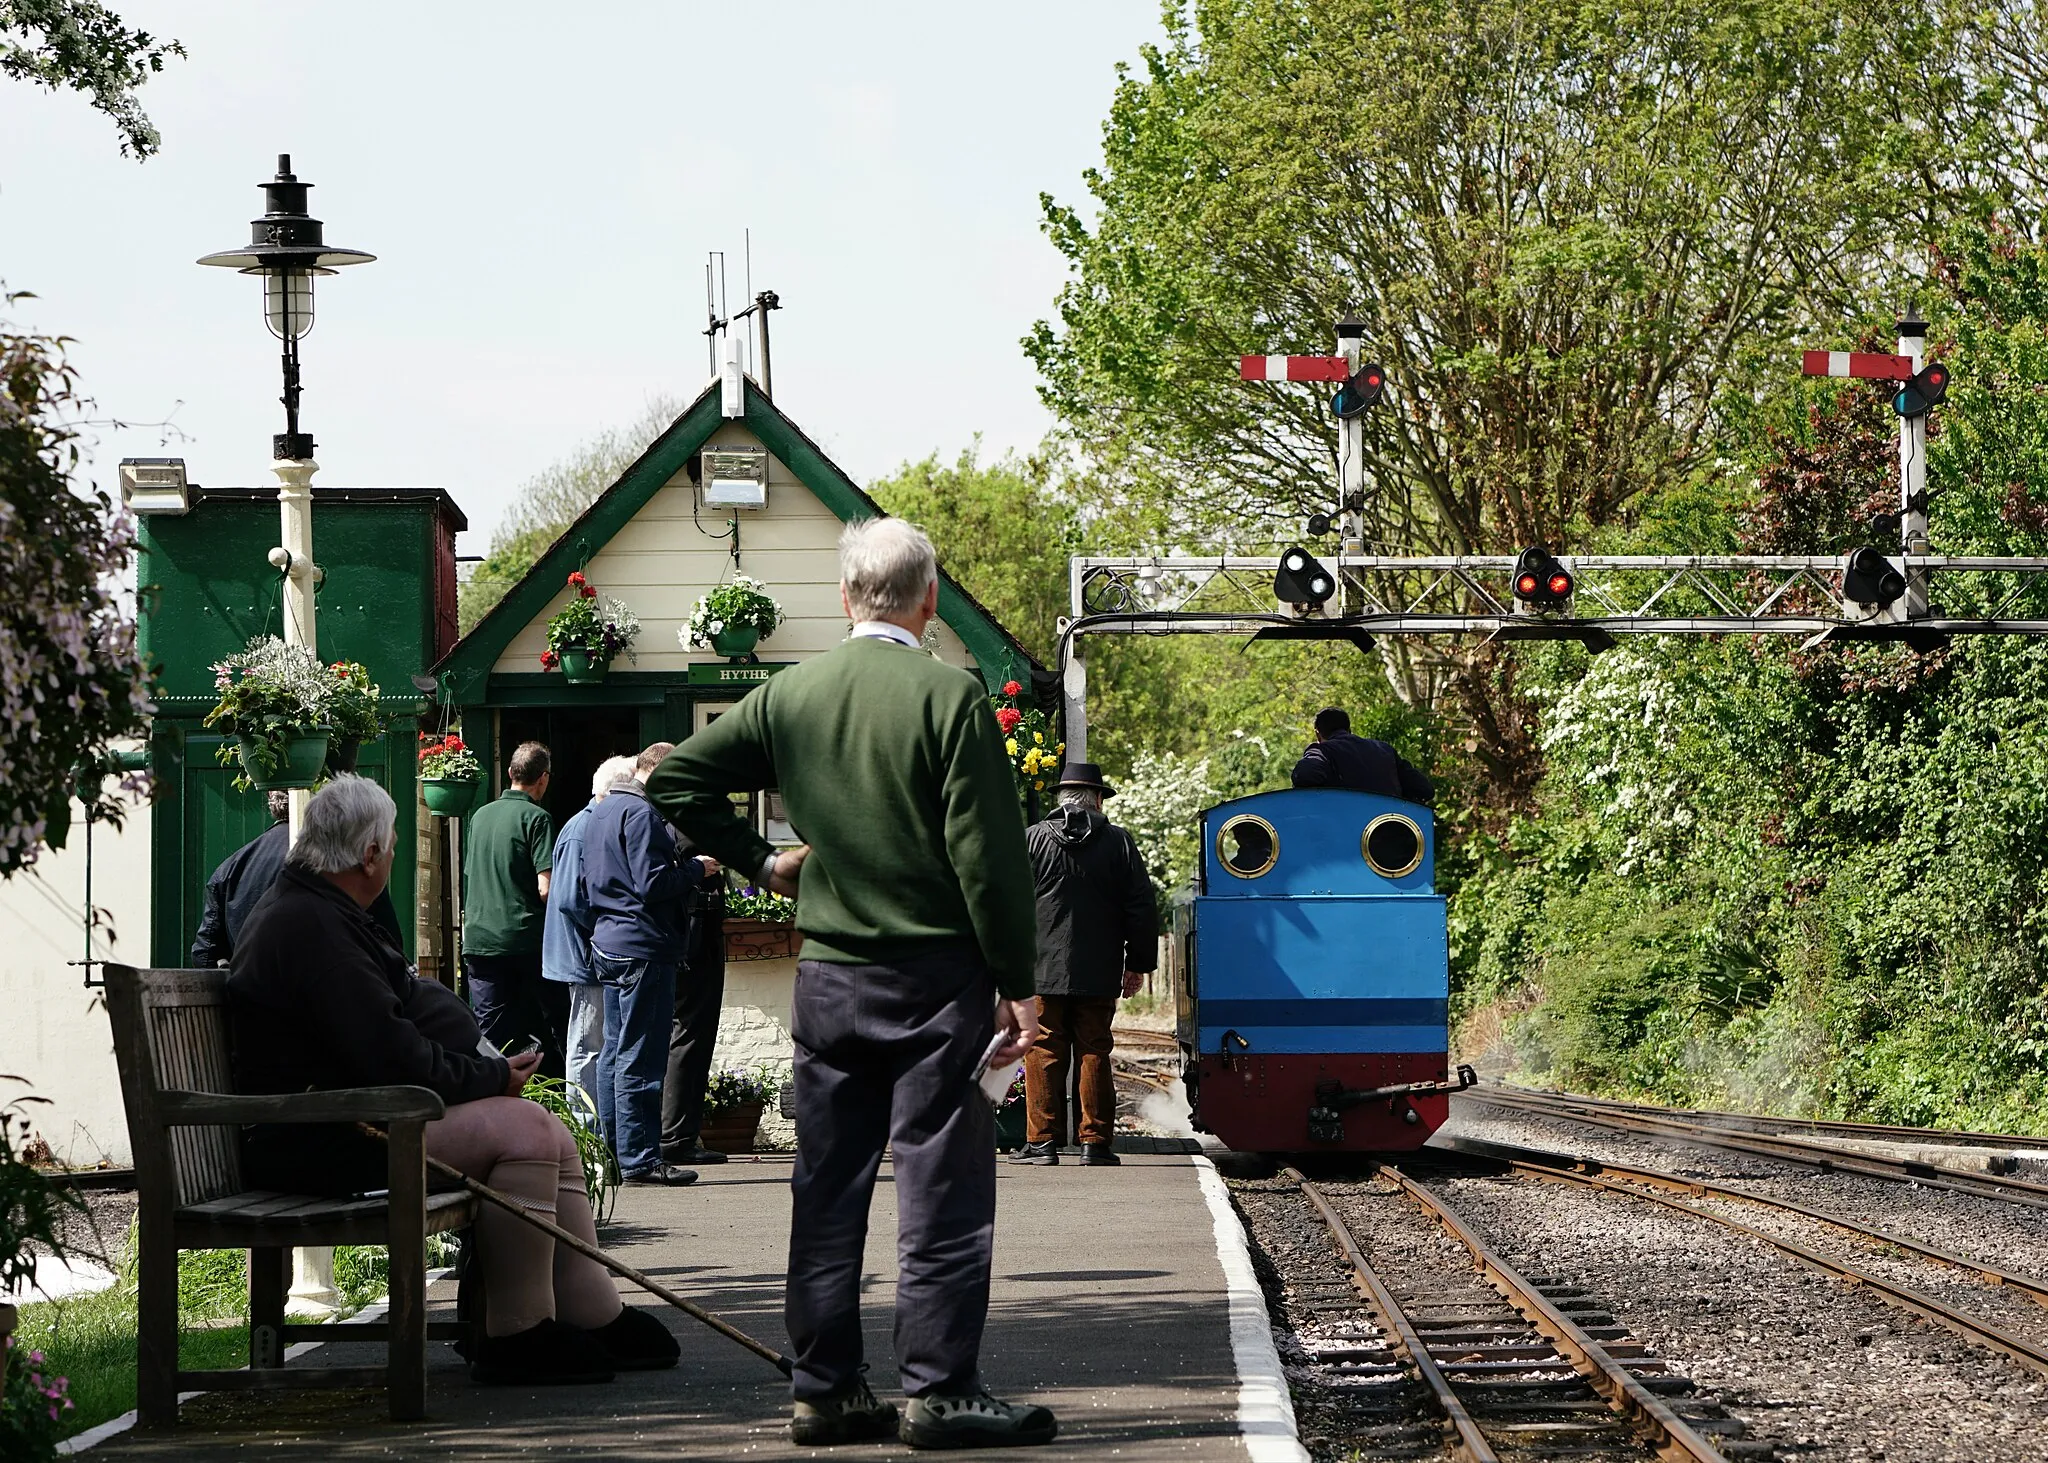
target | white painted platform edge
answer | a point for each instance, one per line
(94, 1436)
(1265, 1409)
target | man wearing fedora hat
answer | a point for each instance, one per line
(1098, 934)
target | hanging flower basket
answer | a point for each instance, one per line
(286, 760)
(587, 634)
(448, 797)
(733, 1104)
(581, 668)
(735, 641)
(733, 618)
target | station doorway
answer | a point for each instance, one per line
(578, 739)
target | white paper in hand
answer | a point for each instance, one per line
(995, 1081)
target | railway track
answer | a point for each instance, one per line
(1659, 1123)
(1818, 1127)
(1508, 1367)
(1656, 1187)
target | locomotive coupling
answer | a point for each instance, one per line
(1326, 1116)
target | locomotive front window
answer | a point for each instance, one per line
(1392, 845)
(1247, 846)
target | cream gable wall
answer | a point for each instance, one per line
(664, 559)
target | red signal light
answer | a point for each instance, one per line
(1526, 586)
(1560, 583)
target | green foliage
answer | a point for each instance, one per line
(270, 693)
(762, 904)
(71, 680)
(1798, 880)
(80, 45)
(33, 1402)
(355, 706)
(603, 628)
(742, 603)
(569, 1102)
(1004, 531)
(31, 1210)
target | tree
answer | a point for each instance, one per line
(552, 499)
(71, 680)
(1574, 232)
(83, 46)
(1004, 531)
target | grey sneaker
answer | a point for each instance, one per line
(975, 1420)
(853, 1416)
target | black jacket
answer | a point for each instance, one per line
(1363, 765)
(1097, 914)
(318, 998)
(239, 885)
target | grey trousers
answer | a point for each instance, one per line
(885, 1055)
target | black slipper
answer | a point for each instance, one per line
(637, 1342)
(541, 1355)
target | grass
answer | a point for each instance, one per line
(91, 1338)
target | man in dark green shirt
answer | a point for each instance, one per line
(915, 899)
(508, 849)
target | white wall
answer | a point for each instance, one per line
(53, 1031)
(753, 1031)
(665, 558)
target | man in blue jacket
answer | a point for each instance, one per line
(565, 938)
(637, 884)
(1337, 758)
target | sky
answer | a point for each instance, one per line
(541, 185)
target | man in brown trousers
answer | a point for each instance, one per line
(1098, 933)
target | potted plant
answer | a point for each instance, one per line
(759, 925)
(733, 618)
(1010, 1117)
(733, 1103)
(355, 713)
(275, 700)
(587, 634)
(449, 774)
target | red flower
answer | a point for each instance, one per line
(1007, 718)
(549, 660)
(576, 578)
(588, 592)
(453, 744)
(1011, 688)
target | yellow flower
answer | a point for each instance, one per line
(1062, 746)
(1011, 746)
(1038, 737)
(1040, 784)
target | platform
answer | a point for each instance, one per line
(1109, 1304)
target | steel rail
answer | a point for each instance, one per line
(1791, 1150)
(1467, 1442)
(1833, 1127)
(1670, 1436)
(1905, 1298)
(1517, 1156)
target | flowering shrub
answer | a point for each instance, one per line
(731, 1088)
(448, 758)
(31, 1402)
(762, 904)
(1031, 740)
(71, 680)
(355, 705)
(270, 692)
(603, 628)
(744, 604)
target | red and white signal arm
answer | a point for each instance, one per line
(1293, 368)
(1865, 365)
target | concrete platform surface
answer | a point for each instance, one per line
(1109, 1305)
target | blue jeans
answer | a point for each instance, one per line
(639, 1005)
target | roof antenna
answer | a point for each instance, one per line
(714, 304)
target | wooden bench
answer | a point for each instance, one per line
(171, 1046)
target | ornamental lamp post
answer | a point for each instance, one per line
(287, 250)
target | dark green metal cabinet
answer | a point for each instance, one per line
(205, 587)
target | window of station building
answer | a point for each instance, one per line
(762, 808)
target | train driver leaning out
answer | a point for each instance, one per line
(1340, 758)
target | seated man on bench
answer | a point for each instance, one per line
(318, 997)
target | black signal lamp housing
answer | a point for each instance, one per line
(1923, 393)
(1301, 580)
(1360, 392)
(1321, 525)
(1871, 580)
(1541, 582)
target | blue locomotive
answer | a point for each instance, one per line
(1312, 975)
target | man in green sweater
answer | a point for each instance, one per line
(915, 899)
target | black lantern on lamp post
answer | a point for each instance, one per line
(286, 248)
